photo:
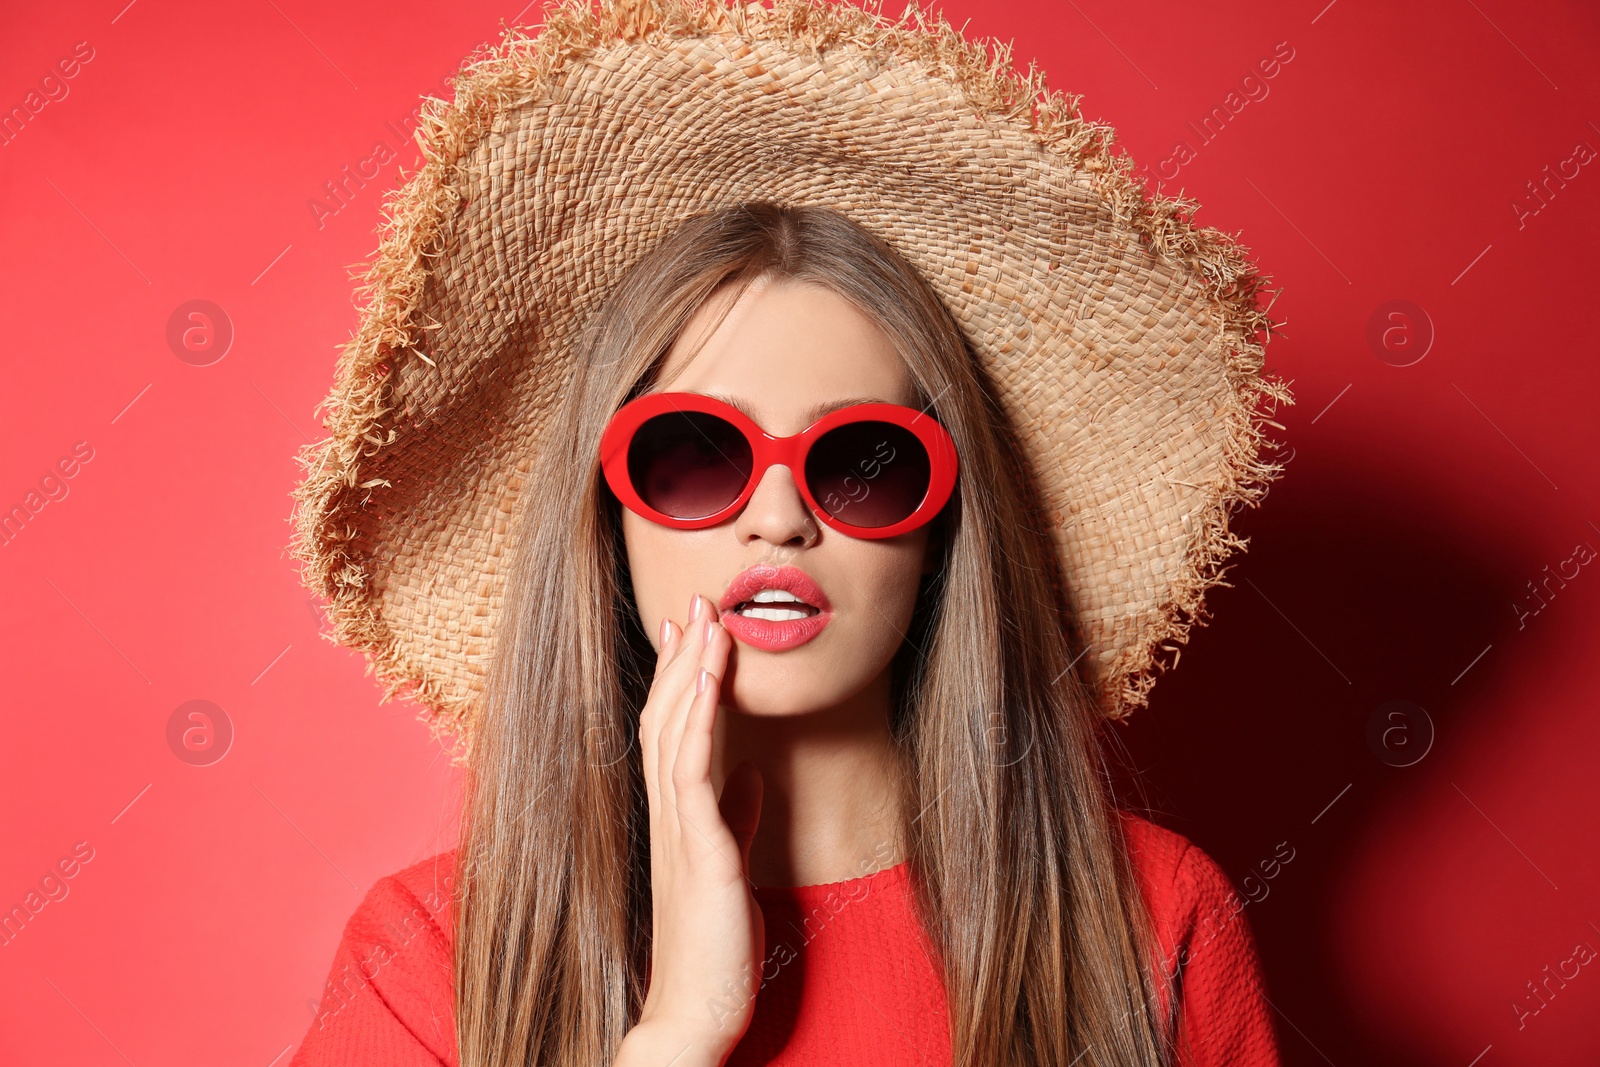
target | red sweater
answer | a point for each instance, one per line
(853, 982)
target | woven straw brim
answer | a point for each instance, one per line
(1126, 342)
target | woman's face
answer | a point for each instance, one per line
(785, 348)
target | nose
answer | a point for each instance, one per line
(777, 513)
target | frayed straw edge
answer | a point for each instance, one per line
(329, 501)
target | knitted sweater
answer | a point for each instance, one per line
(850, 979)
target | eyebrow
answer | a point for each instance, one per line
(827, 407)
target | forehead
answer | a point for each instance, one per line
(784, 349)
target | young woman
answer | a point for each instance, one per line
(706, 826)
(776, 441)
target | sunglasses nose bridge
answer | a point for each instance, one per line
(769, 450)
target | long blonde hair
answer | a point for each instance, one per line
(1024, 883)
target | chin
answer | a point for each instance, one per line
(766, 709)
(753, 698)
(766, 691)
(822, 674)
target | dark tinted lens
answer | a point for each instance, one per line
(688, 464)
(868, 473)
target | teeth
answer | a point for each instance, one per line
(774, 614)
(771, 596)
(755, 608)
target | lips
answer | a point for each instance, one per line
(766, 634)
(747, 583)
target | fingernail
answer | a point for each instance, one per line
(694, 607)
(705, 634)
(701, 682)
(664, 631)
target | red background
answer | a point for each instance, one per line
(1417, 504)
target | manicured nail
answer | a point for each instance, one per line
(706, 636)
(701, 682)
(694, 607)
(665, 632)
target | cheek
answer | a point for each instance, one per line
(887, 597)
(667, 567)
(646, 564)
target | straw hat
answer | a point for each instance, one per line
(1126, 341)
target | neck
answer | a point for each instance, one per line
(831, 805)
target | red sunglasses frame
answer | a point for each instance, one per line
(766, 450)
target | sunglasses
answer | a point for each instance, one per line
(688, 461)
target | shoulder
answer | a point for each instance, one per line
(1177, 876)
(1207, 948)
(1190, 897)
(431, 883)
(389, 996)
(1178, 879)
(1156, 852)
(407, 903)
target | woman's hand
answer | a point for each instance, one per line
(707, 932)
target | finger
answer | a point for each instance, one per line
(707, 634)
(679, 675)
(693, 764)
(663, 692)
(698, 738)
(702, 822)
(698, 610)
(687, 766)
(650, 719)
(697, 743)
(669, 641)
(672, 695)
(650, 714)
(677, 693)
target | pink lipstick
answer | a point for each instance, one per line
(797, 608)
